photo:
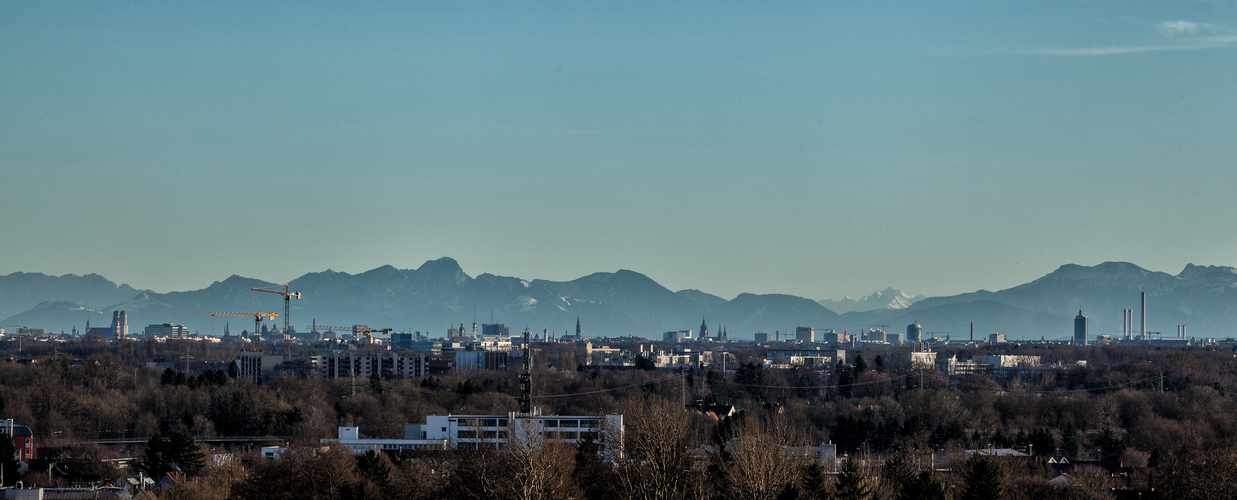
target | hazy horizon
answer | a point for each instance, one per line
(818, 150)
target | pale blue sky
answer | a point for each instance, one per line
(808, 148)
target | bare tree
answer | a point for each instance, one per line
(762, 459)
(653, 460)
(538, 469)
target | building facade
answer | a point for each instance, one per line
(165, 330)
(389, 365)
(22, 437)
(254, 365)
(1080, 329)
(914, 332)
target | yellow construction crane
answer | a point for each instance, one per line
(287, 306)
(257, 320)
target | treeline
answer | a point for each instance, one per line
(1144, 406)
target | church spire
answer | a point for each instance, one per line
(577, 327)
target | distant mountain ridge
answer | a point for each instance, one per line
(888, 298)
(439, 294)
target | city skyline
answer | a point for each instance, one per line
(821, 151)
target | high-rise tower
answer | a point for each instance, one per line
(914, 332)
(1080, 329)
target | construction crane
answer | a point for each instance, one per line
(257, 320)
(287, 306)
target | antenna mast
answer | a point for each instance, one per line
(526, 382)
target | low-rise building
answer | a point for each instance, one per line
(684, 358)
(476, 360)
(255, 365)
(607, 356)
(350, 437)
(804, 357)
(1008, 361)
(22, 437)
(165, 330)
(474, 432)
(911, 360)
(677, 336)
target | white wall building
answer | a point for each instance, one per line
(350, 437)
(472, 432)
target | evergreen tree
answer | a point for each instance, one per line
(375, 383)
(154, 462)
(1069, 441)
(860, 365)
(1043, 442)
(814, 483)
(183, 451)
(985, 479)
(852, 485)
(1108, 442)
(845, 377)
(8, 461)
(896, 472)
(179, 453)
(589, 470)
(1157, 457)
(1001, 439)
(168, 377)
(922, 487)
(373, 467)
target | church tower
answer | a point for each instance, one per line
(704, 330)
(578, 328)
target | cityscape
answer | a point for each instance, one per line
(589, 251)
(836, 407)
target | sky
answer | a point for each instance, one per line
(821, 149)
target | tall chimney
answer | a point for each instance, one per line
(1143, 328)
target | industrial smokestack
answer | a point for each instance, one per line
(1142, 329)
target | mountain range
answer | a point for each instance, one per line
(888, 298)
(439, 294)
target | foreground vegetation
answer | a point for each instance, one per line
(1165, 408)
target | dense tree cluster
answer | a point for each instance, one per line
(1144, 406)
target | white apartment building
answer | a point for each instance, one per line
(473, 432)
